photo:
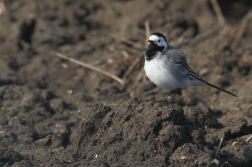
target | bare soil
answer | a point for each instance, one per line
(56, 113)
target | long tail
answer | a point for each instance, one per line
(216, 87)
(201, 82)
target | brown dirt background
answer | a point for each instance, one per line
(56, 113)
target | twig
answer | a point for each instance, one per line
(147, 30)
(231, 30)
(242, 27)
(239, 35)
(202, 37)
(218, 149)
(131, 89)
(125, 54)
(129, 70)
(125, 40)
(90, 67)
(227, 29)
(134, 51)
(181, 39)
(218, 13)
(247, 140)
(218, 163)
(2, 8)
(144, 77)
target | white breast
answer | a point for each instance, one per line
(159, 75)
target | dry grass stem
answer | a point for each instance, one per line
(131, 89)
(241, 29)
(248, 139)
(181, 40)
(125, 54)
(218, 12)
(201, 37)
(221, 141)
(239, 35)
(129, 70)
(233, 29)
(90, 67)
(125, 40)
(2, 8)
(147, 31)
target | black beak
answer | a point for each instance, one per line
(150, 41)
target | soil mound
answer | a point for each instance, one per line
(145, 133)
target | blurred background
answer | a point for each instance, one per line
(38, 88)
(111, 35)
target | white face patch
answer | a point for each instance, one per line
(160, 41)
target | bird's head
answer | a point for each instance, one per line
(158, 41)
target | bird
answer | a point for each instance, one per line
(167, 67)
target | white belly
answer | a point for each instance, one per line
(160, 76)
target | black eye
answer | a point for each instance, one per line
(159, 40)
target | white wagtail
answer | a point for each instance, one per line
(167, 66)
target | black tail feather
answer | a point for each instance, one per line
(216, 87)
(196, 78)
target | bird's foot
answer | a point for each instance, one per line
(172, 94)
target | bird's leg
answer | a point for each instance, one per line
(174, 92)
(168, 94)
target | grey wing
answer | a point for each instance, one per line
(180, 61)
(176, 61)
